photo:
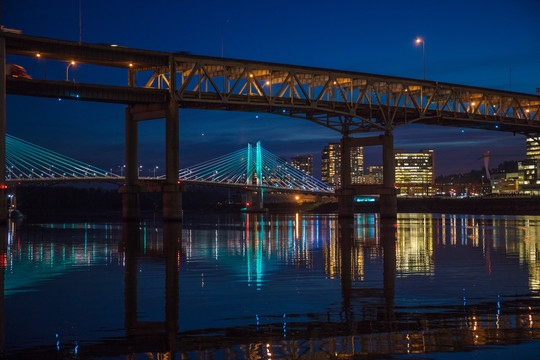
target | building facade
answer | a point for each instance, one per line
(529, 179)
(415, 174)
(331, 164)
(303, 163)
(373, 175)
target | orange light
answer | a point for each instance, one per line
(297, 197)
(38, 55)
(73, 63)
(473, 104)
(3, 186)
(130, 65)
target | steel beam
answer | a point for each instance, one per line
(85, 92)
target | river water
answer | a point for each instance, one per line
(298, 286)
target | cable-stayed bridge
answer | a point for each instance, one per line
(30, 163)
(251, 168)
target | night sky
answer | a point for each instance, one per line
(480, 43)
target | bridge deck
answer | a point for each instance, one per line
(345, 101)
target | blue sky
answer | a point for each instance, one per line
(467, 42)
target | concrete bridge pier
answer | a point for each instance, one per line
(130, 191)
(255, 199)
(172, 189)
(387, 192)
(388, 200)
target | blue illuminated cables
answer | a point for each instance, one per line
(25, 160)
(252, 166)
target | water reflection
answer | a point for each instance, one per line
(162, 332)
(273, 286)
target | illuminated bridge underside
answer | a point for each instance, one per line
(349, 102)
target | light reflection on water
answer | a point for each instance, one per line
(262, 285)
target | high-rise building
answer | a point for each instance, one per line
(533, 148)
(529, 179)
(303, 163)
(331, 164)
(415, 172)
(373, 175)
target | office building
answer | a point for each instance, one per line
(415, 172)
(303, 163)
(331, 164)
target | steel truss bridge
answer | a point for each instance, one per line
(160, 83)
(346, 101)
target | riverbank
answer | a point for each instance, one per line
(478, 205)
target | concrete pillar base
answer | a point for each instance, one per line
(345, 203)
(4, 212)
(388, 206)
(255, 201)
(131, 209)
(172, 202)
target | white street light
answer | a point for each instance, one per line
(67, 69)
(419, 41)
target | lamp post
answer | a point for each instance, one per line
(419, 40)
(67, 69)
(155, 168)
(222, 30)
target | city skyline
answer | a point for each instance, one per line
(94, 132)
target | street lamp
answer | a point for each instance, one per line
(155, 168)
(67, 69)
(222, 30)
(419, 41)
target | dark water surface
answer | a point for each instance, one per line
(273, 287)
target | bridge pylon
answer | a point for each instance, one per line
(254, 198)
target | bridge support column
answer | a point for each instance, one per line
(130, 190)
(345, 193)
(255, 200)
(388, 200)
(3, 189)
(172, 190)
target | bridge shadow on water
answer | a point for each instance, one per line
(369, 323)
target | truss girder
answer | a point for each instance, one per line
(373, 102)
(370, 102)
